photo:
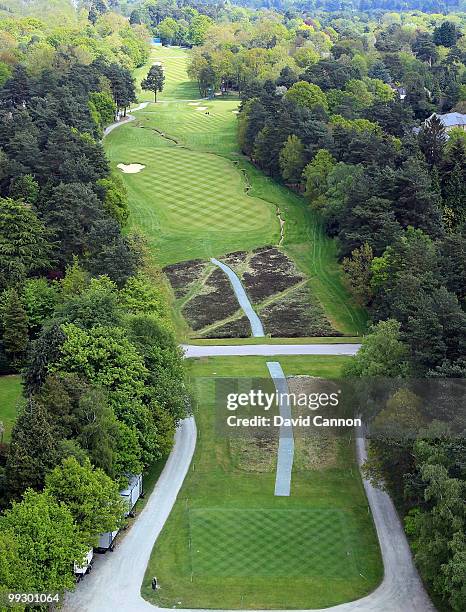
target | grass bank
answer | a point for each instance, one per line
(10, 400)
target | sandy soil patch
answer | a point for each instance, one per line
(193, 103)
(131, 168)
(201, 108)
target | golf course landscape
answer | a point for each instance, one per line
(198, 197)
(229, 542)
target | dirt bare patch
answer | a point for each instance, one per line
(296, 314)
(314, 450)
(182, 275)
(237, 258)
(217, 302)
(256, 453)
(270, 272)
(238, 328)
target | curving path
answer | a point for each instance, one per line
(129, 117)
(256, 323)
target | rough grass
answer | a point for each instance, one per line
(296, 314)
(230, 543)
(10, 400)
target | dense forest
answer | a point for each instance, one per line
(82, 314)
(343, 112)
(338, 102)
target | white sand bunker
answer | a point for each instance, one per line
(193, 103)
(201, 108)
(130, 168)
(236, 112)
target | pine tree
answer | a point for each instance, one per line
(15, 326)
(432, 140)
(33, 450)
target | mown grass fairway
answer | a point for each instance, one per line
(229, 543)
(198, 197)
(177, 83)
(188, 203)
(10, 398)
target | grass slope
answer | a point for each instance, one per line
(229, 543)
(10, 399)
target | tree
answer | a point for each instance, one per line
(292, 159)
(315, 175)
(33, 450)
(382, 353)
(446, 35)
(47, 542)
(424, 48)
(432, 139)
(115, 198)
(198, 29)
(111, 253)
(154, 80)
(95, 306)
(307, 95)
(416, 201)
(379, 70)
(90, 495)
(438, 532)
(24, 242)
(359, 272)
(122, 85)
(39, 299)
(15, 326)
(24, 188)
(104, 106)
(72, 210)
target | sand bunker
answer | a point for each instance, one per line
(235, 111)
(193, 103)
(130, 168)
(201, 108)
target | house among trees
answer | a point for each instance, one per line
(451, 120)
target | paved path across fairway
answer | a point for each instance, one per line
(285, 454)
(268, 350)
(129, 117)
(256, 323)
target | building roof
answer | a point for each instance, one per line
(452, 119)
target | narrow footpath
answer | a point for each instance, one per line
(285, 454)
